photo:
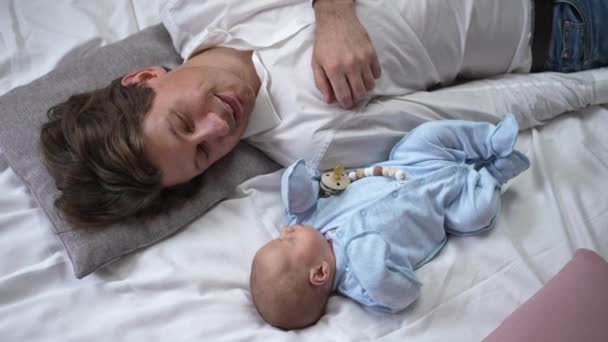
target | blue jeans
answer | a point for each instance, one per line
(579, 38)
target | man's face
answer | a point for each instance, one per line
(198, 115)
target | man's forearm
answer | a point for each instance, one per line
(533, 98)
(333, 11)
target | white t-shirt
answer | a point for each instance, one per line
(419, 44)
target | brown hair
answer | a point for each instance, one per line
(93, 148)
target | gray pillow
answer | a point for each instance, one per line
(23, 110)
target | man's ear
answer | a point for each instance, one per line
(319, 274)
(142, 75)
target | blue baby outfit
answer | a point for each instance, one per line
(382, 229)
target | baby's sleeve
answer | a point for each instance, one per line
(299, 189)
(388, 282)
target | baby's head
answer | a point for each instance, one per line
(292, 277)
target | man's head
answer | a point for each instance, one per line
(136, 147)
(292, 277)
(198, 115)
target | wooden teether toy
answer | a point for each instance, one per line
(337, 180)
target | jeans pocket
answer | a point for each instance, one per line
(573, 37)
(573, 41)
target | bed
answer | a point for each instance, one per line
(194, 285)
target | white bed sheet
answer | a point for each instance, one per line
(35, 34)
(194, 286)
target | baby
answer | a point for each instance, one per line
(366, 241)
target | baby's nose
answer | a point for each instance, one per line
(286, 230)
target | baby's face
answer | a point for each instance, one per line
(299, 243)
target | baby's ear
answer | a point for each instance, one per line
(319, 274)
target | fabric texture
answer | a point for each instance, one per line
(572, 306)
(382, 228)
(23, 110)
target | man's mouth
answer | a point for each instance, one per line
(234, 105)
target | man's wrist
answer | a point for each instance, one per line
(330, 8)
(331, 2)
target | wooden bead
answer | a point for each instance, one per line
(377, 171)
(360, 173)
(352, 175)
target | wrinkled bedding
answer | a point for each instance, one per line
(194, 286)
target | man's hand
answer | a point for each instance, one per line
(344, 62)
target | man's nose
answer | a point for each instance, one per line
(208, 127)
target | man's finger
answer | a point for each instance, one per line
(322, 82)
(368, 78)
(341, 90)
(376, 69)
(357, 86)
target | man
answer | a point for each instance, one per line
(244, 58)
